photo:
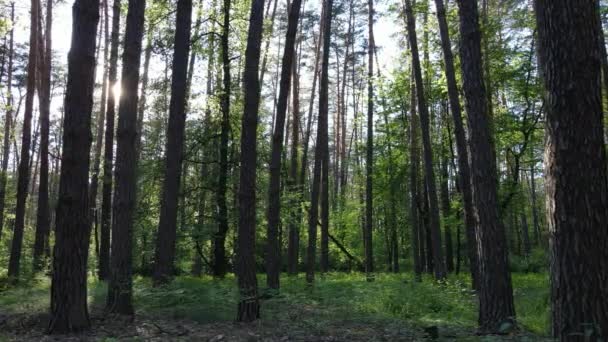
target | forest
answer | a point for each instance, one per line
(303, 170)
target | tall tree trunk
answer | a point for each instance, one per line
(273, 261)
(24, 162)
(445, 207)
(120, 287)
(320, 150)
(219, 249)
(369, 163)
(315, 76)
(69, 311)
(144, 88)
(464, 173)
(293, 245)
(495, 290)
(108, 154)
(44, 96)
(434, 225)
(414, 194)
(249, 306)
(166, 236)
(575, 159)
(535, 219)
(100, 117)
(8, 122)
(269, 39)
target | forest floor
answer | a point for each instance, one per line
(340, 307)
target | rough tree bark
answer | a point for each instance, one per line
(414, 194)
(167, 227)
(321, 141)
(8, 122)
(369, 162)
(219, 250)
(464, 173)
(69, 311)
(293, 244)
(495, 289)
(44, 97)
(249, 305)
(24, 162)
(273, 260)
(575, 159)
(120, 287)
(108, 154)
(100, 122)
(434, 225)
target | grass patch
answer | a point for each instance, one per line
(335, 298)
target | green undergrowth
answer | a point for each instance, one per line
(335, 298)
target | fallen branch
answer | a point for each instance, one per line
(345, 251)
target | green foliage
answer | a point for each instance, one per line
(536, 262)
(334, 298)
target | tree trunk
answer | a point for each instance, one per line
(108, 154)
(100, 118)
(414, 197)
(120, 287)
(575, 159)
(6, 143)
(293, 245)
(144, 88)
(445, 207)
(166, 236)
(44, 97)
(535, 220)
(249, 306)
(434, 225)
(273, 261)
(369, 163)
(464, 174)
(219, 249)
(495, 290)
(24, 162)
(69, 311)
(320, 149)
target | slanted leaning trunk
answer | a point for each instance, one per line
(167, 227)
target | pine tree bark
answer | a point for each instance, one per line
(369, 163)
(167, 227)
(69, 311)
(145, 80)
(120, 287)
(219, 249)
(495, 289)
(535, 219)
(249, 306)
(44, 98)
(24, 162)
(414, 194)
(100, 118)
(575, 159)
(445, 207)
(8, 123)
(293, 244)
(464, 173)
(434, 224)
(322, 123)
(108, 154)
(273, 262)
